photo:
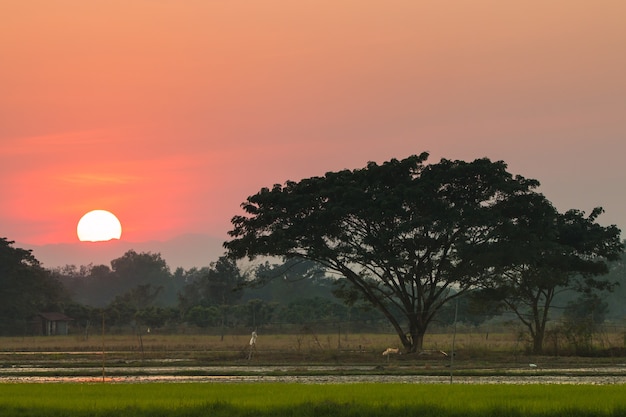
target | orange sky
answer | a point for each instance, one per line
(170, 113)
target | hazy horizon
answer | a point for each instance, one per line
(185, 251)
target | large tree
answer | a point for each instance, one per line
(542, 252)
(26, 288)
(402, 234)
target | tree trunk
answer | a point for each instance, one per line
(541, 318)
(539, 335)
(416, 339)
(538, 342)
(418, 342)
(413, 341)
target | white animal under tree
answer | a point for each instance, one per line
(391, 351)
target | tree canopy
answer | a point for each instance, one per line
(406, 236)
(542, 252)
(27, 288)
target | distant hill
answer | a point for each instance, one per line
(186, 251)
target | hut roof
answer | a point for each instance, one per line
(52, 316)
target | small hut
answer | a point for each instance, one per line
(52, 324)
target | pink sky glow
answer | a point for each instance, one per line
(170, 113)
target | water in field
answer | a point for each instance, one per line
(261, 374)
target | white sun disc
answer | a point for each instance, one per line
(97, 226)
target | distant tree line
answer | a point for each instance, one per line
(138, 291)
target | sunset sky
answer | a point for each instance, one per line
(170, 113)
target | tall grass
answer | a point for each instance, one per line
(470, 344)
(466, 338)
(262, 400)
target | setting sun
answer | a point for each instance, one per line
(98, 226)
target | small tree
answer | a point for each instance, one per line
(581, 318)
(202, 316)
(543, 252)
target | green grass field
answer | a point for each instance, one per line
(302, 400)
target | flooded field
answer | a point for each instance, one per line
(308, 375)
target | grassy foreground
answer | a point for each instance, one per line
(260, 400)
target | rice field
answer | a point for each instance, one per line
(269, 399)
